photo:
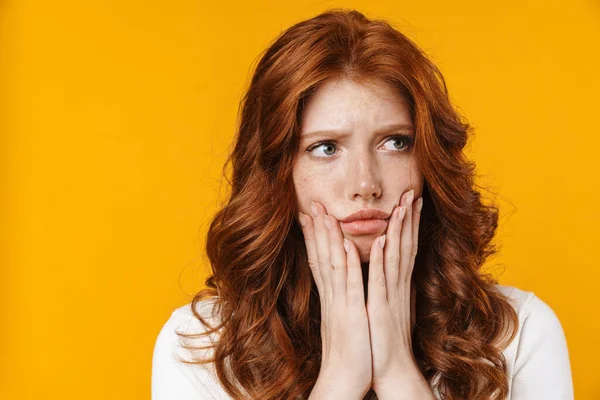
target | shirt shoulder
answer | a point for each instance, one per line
(172, 378)
(538, 357)
(516, 296)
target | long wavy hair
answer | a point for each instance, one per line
(269, 344)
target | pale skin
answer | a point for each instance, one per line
(362, 165)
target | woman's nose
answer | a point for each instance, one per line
(363, 177)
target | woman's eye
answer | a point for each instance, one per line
(329, 147)
(406, 140)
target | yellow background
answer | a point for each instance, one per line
(115, 120)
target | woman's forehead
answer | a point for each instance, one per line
(345, 105)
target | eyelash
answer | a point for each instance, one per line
(406, 138)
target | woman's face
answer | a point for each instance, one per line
(362, 165)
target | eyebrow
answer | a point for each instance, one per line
(385, 129)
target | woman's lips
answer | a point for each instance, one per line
(364, 226)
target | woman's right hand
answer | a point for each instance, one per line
(346, 369)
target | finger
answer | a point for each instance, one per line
(406, 246)
(337, 257)
(392, 251)
(377, 290)
(322, 241)
(416, 222)
(307, 224)
(355, 289)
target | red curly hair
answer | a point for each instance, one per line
(269, 343)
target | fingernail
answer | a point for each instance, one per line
(401, 213)
(302, 219)
(410, 196)
(382, 241)
(327, 223)
(313, 207)
(419, 204)
(346, 245)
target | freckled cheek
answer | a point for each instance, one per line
(323, 183)
(305, 184)
(406, 175)
(416, 181)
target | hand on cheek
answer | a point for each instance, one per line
(391, 262)
(389, 301)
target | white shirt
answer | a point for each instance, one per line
(537, 358)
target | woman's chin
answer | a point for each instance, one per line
(363, 244)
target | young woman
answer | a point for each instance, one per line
(346, 263)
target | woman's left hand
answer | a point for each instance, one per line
(390, 301)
